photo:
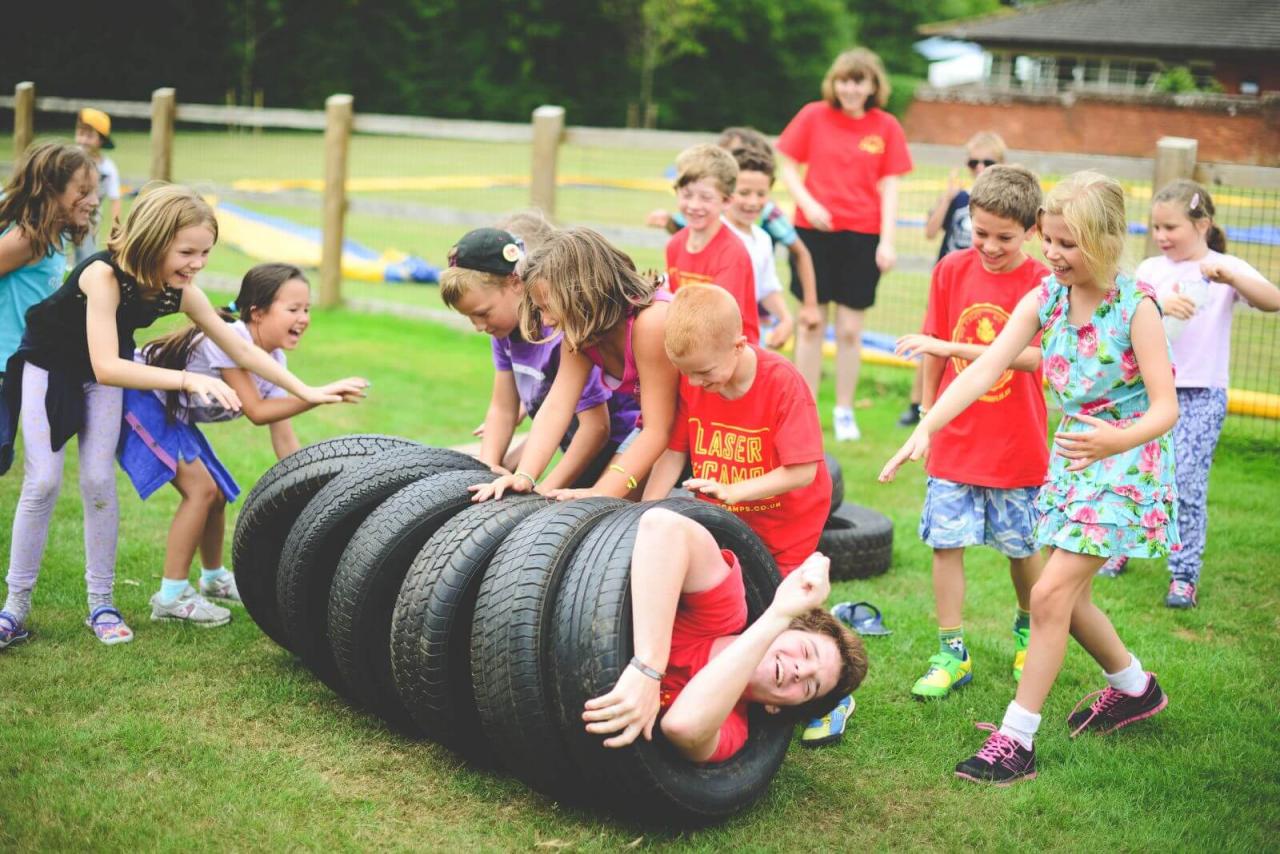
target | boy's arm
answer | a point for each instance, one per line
(590, 437)
(939, 213)
(931, 368)
(666, 471)
(771, 483)
(500, 421)
(776, 305)
(810, 316)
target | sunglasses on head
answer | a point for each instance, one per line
(973, 164)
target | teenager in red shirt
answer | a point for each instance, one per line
(846, 209)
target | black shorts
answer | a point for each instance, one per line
(844, 263)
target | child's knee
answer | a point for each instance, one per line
(41, 489)
(1052, 597)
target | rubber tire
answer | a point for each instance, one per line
(837, 484)
(859, 542)
(431, 628)
(368, 579)
(272, 505)
(592, 642)
(511, 641)
(318, 537)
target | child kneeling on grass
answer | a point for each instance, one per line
(697, 663)
(749, 426)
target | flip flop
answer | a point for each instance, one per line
(863, 617)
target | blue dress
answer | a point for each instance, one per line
(1125, 504)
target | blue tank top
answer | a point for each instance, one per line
(21, 289)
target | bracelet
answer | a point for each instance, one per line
(631, 484)
(646, 669)
(525, 474)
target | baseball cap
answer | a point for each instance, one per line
(100, 122)
(487, 250)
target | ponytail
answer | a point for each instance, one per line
(173, 351)
(1217, 239)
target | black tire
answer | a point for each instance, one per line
(859, 542)
(511, 641)
(431, 628)
(322, 531)
(591, 643)
(274, 503)
(837, 484)
(369, 575)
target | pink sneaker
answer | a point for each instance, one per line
(1002, 761)
(1115, 709)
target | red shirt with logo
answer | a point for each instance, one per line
(774, 424)
(724, 261)
(701, 619)
(999, 441)
(846, 158)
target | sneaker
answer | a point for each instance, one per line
(1114, 567)
(108, 625)
(1115, 709)
(11, 631)
(223, 588)
(829, 728)
(945, 673)
(1182, 594)
(910, 416)
(1002, 761)
(190, 607)
(1021, 639)
(846, 428)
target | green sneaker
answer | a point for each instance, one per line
(1021, 637)
(829, 728)
(945, 673)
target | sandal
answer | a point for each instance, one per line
(109, 631)
(863, 617)
(11, 631)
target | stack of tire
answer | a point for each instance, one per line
(482, 626)
(858, 540)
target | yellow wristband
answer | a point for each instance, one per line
(525, 474)
(631, 481)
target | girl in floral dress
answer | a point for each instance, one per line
(1110, 488)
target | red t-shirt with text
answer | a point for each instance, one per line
(702, 618)
(845, 159)
(999, 441)
(774, 424)
(724, 261)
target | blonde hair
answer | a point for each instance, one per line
(591, 287)
(707, 161)
(531, 226)
(1092, 206)
(457, 282)
(857, 64)
(1009, 192)
(988, 140)
(702, 318)
(162, 210)
(1196, 204)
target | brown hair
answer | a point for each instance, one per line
(857, 64)
(707, 161)
(853, 663)
(1092, 205)
(702, 318)
(162, 210)
(30, 199)
(1196, 204)
(752, 158)
(742, 137)
(591, 287)
(1009, 192)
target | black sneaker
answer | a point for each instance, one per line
(1115, 709)
(1002, 761)
(910, 416)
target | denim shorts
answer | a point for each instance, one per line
(956, 515)
(626, 443)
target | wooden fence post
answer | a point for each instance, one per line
(337, 139)
(1175, 158)
(24, 117)
(548, 127)
(163, 108)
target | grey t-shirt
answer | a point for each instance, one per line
(209, 359)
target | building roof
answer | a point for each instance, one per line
(1191, 26)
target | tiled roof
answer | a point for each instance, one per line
(1196, 26)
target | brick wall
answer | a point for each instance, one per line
(1229, 129)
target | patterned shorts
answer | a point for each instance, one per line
(956, 515)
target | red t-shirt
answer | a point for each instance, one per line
(701, 619)
(724, 261)
(774, 424)
(846, 158)
(999, 441)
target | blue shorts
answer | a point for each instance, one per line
(151, 445)
(956, 515)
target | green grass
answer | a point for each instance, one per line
(199, 739)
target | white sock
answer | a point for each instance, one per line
(1131, 680)
(1020, 724)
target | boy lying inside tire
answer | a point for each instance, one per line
(689, 612)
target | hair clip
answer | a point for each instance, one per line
(453, 257)
(231, 307)
(1195, 201)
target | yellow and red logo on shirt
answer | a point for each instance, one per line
(979, 324)
(679, 278)
(872, 143)
(727, 453)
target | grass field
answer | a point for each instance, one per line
(194, 739)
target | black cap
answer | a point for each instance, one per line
(487, 250)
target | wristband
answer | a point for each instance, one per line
(526, 475)
(631, 484)
(646, 669)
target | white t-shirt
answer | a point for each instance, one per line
(209, 359)
(1202, 352)
(108, 178)
(760, 248)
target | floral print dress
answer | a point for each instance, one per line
(1125, 504)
